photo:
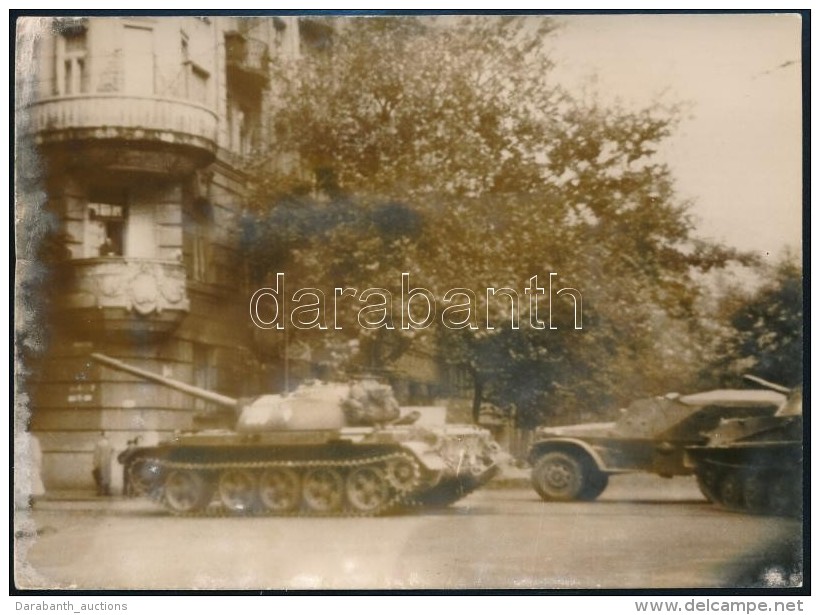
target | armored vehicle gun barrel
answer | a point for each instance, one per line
(190, 389)
(766, 384)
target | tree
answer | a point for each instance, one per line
(443, 148)
(762, 330)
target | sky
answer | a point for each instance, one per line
(737, 152)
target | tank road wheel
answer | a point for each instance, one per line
(144, 476)
(558, 476)
(237, 490)
(279, 489)
(367, 489)
(731, 491)
(186, 491)
(755, 494)
(402, 473)
(323, 490)
(707, 480)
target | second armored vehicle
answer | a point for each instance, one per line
(575, 462)
(325, 449)
(755, 465)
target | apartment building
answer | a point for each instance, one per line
(141, 128)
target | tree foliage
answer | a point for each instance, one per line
(762, 331)
(443, 147)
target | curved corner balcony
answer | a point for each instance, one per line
(130, 298)
(117, 132)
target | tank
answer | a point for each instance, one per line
(575, 462)
(325, 449)
(755, 465)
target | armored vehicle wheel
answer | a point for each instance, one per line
(323, 490)
(558, 476)
(707, 483)
(366, 489)
(755, 494)
(237, 490)
(279, 489)
(186, 491)
(731, 491)
(784, 497)
(596, 482)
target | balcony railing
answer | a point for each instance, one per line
(163, 121)
(128, 294)
(248, 55)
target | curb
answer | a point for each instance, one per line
(508, 483)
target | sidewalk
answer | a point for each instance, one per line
(81, 500)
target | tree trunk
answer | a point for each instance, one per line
(478, 395)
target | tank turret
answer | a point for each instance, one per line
(316, 406)
(324, 449)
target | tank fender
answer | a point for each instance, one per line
(427, 456)
(356, 435)
(539, 447)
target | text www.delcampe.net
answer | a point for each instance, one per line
(719, 606)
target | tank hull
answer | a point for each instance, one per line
(359, 472)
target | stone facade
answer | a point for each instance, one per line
(140, 127)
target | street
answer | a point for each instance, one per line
(644, 532)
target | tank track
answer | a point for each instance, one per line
(362, 487)
(753, 490)
(448, 490)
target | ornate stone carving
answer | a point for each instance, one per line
(150, 289)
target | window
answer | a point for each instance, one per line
(138, 46)
(236, 121)
(249, 25)
(196, 83)
(201, 257)
(198, 220)
(244, 121)
(204, 359)
(72, 68)
(195, 78)
(244, 99)
(315, 35)
(105, 223)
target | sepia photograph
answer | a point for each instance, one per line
(410, 302)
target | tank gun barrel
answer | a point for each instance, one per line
(189, 389)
